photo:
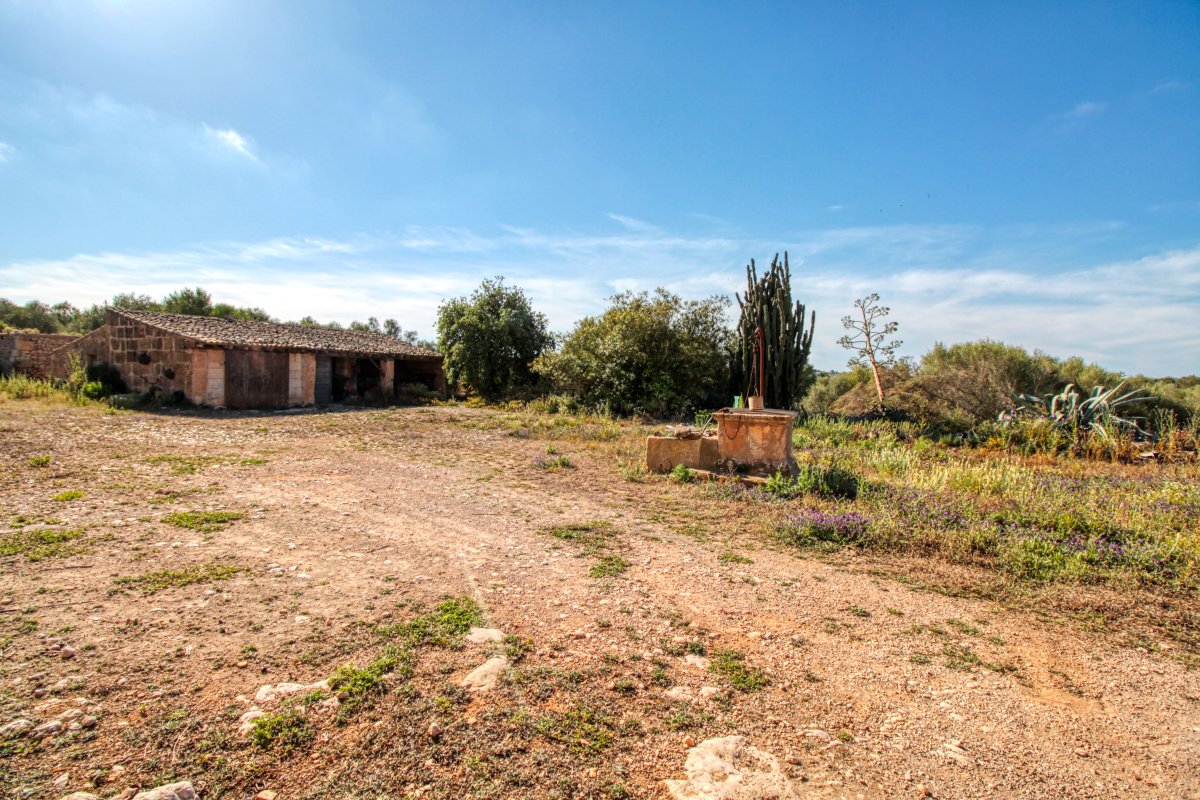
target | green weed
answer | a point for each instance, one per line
(731, 665)
(152, 582)
(202, 521)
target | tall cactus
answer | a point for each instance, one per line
(767, 303)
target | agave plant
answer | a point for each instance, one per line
(1072, 410)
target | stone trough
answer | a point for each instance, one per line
(746, 442)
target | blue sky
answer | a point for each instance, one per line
(1028, 172)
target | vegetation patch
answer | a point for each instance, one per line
(41, 543)
(445, 626)
(582, 729)
(732, 557)
(38, 461)
(152, 582)
(732, 666)
(203, 521)
(608, 566)
(66, 497)
(284, 731)
(682, 474)
(591, 535)
(828, 481)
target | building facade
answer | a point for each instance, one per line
(213, 361)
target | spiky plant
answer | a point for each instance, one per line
(1069, 409)
(768, 304)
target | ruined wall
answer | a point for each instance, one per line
(31, 353)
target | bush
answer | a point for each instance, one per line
(808, 528)
(831, 481)
(657, 354)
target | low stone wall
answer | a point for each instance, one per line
(664, 453)
(29, 353)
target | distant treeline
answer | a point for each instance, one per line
(66, 318)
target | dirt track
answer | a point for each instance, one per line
(355, 519)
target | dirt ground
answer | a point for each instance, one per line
(358, 520)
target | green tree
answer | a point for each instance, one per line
(654, 353)
(490, 339)
(195, 302)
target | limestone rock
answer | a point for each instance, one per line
(246, 721)
(729, 769)
(81, 796)
(270, 693)
(484, 677)
(15, 728)
(485, 635)
(700, 662)
(171, 791)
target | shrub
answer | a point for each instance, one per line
(808, 528)
(682, 474)
(831, 481)
(652, 353)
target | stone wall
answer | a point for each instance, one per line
(147, 358)
(30, 353)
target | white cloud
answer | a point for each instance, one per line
(943, 283)
(635, 225)
(1088, 108)
(6, 152)
(234, 141)
(1169, 85)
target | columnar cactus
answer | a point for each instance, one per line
(767, 303)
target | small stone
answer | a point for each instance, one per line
(818, 734)
(709, 692)
(67, 652)
(183, 790)
(81, 796)
(485, 677)
(46, 729)
(484, 635)
(434, 731)
(61, 780)
(700, 662)
(265, 794)
(88, 722)
(15, 728)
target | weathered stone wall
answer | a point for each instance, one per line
(30, 353)
(302, 379)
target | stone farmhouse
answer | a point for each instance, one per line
(214, 362)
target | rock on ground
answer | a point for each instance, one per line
(486, 675)
(485, 635)
(729, 769)
(171, 791)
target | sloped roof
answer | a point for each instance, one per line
(246, 334)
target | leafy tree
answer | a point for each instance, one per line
(136, 302)
(491, 338)
(34, 315)
(868, 338)
(655, 353)
(195, 302)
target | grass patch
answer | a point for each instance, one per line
(152, 582)
(203, 521)
(66, 497)
(731, 557)
(41, 543)
(581, 729)
(284, 731)
(608, 567)
(38, 461)
(732, 666)
(445, 626)
(591, 535)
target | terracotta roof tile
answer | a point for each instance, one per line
(240, 334)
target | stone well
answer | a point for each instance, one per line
(760, 441)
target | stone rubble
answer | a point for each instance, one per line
(729, 769)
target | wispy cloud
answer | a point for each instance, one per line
(632, 224)
(1088, 108)
(1169, 85)
(943, 283)
(7, 151)
(232, 140)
